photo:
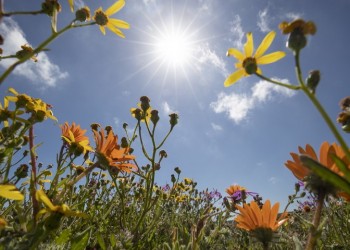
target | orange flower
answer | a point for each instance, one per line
(75, 136)
(231, 190)
(253, 217)
(110, 154)
(325, 158)
(326, 150)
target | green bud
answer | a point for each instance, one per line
(177, 170)
(312, 80)
(82, 14)
(173, 179)
(173, 119)
(154, 116)
(125, 125)
(22, 171)
(124, 142)
(145, 103)
(296, 40)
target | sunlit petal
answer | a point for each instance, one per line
(115, 7)
(102, 28)
(235, 53)
(10, 192)
(270, 58)
(115, 30)
(119, 23)
(233, 78)
(249, 45)
(265, 44)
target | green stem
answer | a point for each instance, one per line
(37, 12)
(289, 86)
(320, 108)
(33, 175)
(40, 48)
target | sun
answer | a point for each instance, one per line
(174, 47)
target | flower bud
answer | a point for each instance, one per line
(95, 126)
(296, 40)
(108, 129)
(173, 119)
(312, 80)
(83, 14)
(154, 116)
(125, 125)
(124, 143)
(137, 113)
(162, 154)
(177, 170)
(145, 103)
(173, 179)
(345, 103)
(22, 171)
(49, 7)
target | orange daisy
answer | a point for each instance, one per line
(110, 154)
(74, 135)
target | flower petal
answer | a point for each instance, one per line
(235, 53)
(115, 30)
(115, 7)
(234, 77)
(119, 23)
(102, 28)
(41, 196)
(270, 58)
(71, 5)
(10, 192)
(265, 44)
(249, 45)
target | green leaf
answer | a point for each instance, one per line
(64, 237)
(112, 240)
(325, 173)
(343, 167)
(80, 242)
(101, 241)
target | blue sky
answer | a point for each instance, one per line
(242, 134)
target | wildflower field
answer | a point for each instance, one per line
(102, 190)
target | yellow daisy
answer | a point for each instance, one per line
(247, 62)
(10, 192)
(102, 18)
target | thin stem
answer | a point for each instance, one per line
(33, 174)
(289, 86)
(311, 242)
(37, 12)
(320, 108)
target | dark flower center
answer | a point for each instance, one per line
(101, 18)
(250, 66)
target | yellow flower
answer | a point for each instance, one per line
(110, 154)
(253, 217)
(3, 223)
(247, 63)
(305, 27)
(103, 19)
(51, 208)
(25, 51)
(139, 114)
(75, 136)
(10, 192)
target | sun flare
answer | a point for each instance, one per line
(174, 48)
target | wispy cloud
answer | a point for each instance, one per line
(216, 127)
(238, 106)
(205, 55)
(264, 20)
(236, 32)
(43, 72)
(273, 180)
(166, 108)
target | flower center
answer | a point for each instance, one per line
(250, 66)
(101, 18)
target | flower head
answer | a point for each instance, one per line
(26, 51)
(140, 114)
(305, 27)
(238, 193)
(252, 216)
(247, 62)
(326, 151)
(75, 137)
(110, 154)
(102, 18)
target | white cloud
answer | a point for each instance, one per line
(238, 106)
(204, 55)
(116, 121)
(273, 180)
(293, 16)
(263, 20)
(43, 71)
(216, 127)
(166, 108)
(237, 32)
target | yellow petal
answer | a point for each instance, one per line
(71, 5)
(119, 23)
(249, 45)
(270, 58)
(115, 30)
(13, 91)
(10, 192)
(235, 53)
(234, 77)
(115, 7)
(102, 28)
(41, 196)
(265, 44)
